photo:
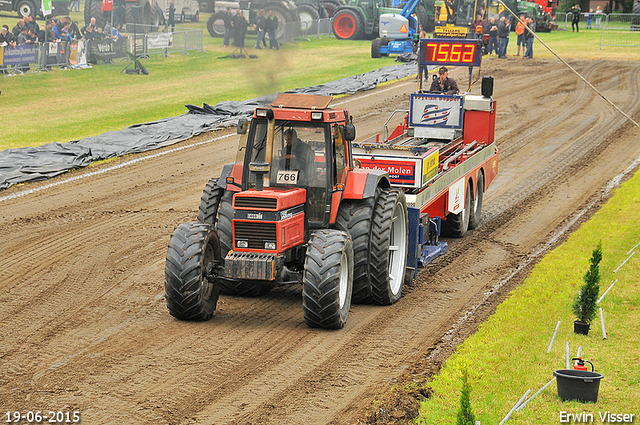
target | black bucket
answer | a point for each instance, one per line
(578, 385)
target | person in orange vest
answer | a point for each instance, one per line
(520, 33)
(107, 8)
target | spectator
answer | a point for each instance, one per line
(6, 39)
(50, 34)
(531, 25)
(90, 33)
(589, 18)
(520, 33)
(575, 20)
(171, 22)
(65, 34)
(492, 29)
(22, 37)
(115, 31)
(228, 27)
(272, 27)
(504, 27)
(75, 6)
(74, 31)
(92, 23)
(18, 28)
(107, 9)
(477, 27)
(99, 34)
(240, 24)
(259, 25)
(29, 22)
(32, 38)
(598, 17)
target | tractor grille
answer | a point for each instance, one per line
(257, 233)
(255, 202)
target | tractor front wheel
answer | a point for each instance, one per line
(189, 291)
(328, 279)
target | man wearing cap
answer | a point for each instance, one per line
(444, 84)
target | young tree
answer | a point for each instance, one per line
(584, 306)
(465, 415)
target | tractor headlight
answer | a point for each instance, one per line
(316, 115)
(242, 244)
(270, 245)
(261, 113)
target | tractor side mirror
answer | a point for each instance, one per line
(350, 132)
(243, 125)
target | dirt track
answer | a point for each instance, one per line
(84, 324)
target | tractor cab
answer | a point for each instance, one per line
(293, 147)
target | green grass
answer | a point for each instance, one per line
(64, 105)
(508, 354)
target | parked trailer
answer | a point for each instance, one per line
(351, 222)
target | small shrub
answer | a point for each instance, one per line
(584, 306)
(465, 415)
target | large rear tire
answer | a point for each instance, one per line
(215, 25)
(476, 211)
(309, 17)
(93, 9)
(389, 246)
(354, 217)
(328, 279)
(347, 25)
(225, 233)
(189, 294)
(456, 225)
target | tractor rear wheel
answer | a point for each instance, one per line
(308, 18)
(354, 217)
(190, 294)
(215, 25)
(476, 211)
(389, 246)
(209, 202)
(225, 232)
(347, 25)
(456, 225)
(328, 279)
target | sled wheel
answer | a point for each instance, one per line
(476, 211)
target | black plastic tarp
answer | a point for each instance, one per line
(42, 162)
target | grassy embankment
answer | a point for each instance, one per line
(508, 354)
(64, 105)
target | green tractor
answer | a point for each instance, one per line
(359, 19)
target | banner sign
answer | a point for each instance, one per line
(456, 197)
(78, 54)
(46, 7)
(436, 110)
(24, 53)
(159, 40)
(106, 49)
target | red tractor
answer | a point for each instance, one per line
(292, 209)
(303, 204)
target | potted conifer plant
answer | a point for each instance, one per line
(584, 306)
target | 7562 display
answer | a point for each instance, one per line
(454, 52)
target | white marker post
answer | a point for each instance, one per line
(604, 331)
(553, 337)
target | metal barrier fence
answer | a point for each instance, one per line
(151, 40)
(78, 53)
(309, 29)
(621, 30)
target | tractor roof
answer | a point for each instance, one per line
(301, 101)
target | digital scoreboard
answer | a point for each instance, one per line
(454, 52)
